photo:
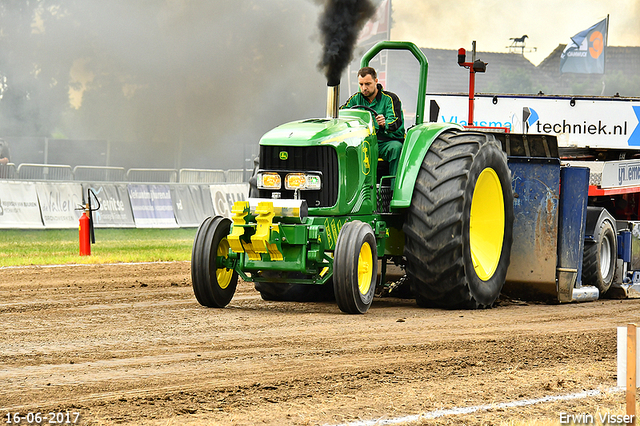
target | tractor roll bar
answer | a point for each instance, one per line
(424, 68)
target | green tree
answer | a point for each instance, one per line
(619, 83)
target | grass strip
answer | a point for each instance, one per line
(61, 246)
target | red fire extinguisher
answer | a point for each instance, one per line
(85, 230)
(85, 235)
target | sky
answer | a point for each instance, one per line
(491, 23)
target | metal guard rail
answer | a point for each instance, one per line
(60, 172)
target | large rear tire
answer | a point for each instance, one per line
(599, 258)
(213, 284)
(460, 222)
(355, 267)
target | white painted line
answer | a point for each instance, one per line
(90, 264)
(468, 410)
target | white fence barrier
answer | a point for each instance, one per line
(202, 176)
(30, 171)
(8, 171)
(235, 175)
(60, 172)
(152, 175)
(99, 174)
(27, 205)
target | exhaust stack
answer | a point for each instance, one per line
(333, 97)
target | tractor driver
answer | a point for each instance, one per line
(390, 119)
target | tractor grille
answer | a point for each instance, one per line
(321, 159)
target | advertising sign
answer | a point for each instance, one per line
(224, 196)
(115, 208)
(577, 122)
(19, 207)
(59, 203)
(151, 206)
(190, 205)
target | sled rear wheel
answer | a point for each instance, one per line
(599, 258)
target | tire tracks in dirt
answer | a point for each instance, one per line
(129, 344)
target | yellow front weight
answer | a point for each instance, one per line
(263, 231)
(266, 231)
(240, 211)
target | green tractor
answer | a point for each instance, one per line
(326, 217)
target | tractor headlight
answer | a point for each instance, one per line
(302, 181)
(269, 181)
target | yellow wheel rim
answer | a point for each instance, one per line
(223, 275)
(365, 268)
(486, 224)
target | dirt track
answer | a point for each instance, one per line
(129, 344)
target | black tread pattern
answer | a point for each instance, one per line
(590, 263)
(203, 264)
(436, 248)
(345, 267)
(591, 273)
(197, 272)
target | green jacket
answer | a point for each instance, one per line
(387, 104)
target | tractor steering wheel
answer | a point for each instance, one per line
(373, 112)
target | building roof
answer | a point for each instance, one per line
(446, 76)
(513, 73)
(449, 76)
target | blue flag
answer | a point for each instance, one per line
(586, 52)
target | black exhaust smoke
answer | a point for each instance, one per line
(340, 24)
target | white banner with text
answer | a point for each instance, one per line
(114, 207)
(151, 206)
(19, 207)
(224, 196)
(60, 204)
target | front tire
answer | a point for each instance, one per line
(355, 267)
(460, 222)
(213, 284)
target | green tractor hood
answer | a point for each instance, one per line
(351, 127)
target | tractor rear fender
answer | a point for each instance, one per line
(414, 149)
